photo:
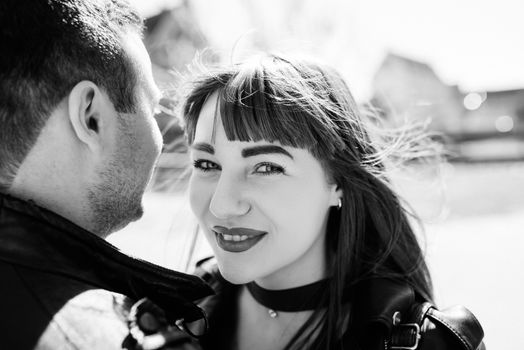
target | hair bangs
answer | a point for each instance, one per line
(270, 98)
(252, 109)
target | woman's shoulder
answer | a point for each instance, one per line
(378, 304)
(393, 306)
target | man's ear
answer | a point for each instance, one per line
(86, 108)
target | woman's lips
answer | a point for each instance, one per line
(237, 239)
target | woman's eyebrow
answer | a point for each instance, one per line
(265, 149)
(204, 147)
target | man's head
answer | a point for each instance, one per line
(76, 109)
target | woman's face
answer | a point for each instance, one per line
(262, 206)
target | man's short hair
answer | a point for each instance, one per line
(47, 47)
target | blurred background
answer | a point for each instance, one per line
(457, 66)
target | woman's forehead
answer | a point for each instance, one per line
(211, 132)
(245, 125)
(209, 121)
(210, 127)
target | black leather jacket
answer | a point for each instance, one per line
(378, 301)
(60, 284)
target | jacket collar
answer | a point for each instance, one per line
(378, 299)
(37, 238)
(375, 300)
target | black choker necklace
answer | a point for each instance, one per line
(301, 298)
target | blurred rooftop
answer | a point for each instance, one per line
(468, 43)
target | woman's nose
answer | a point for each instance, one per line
(228, 201)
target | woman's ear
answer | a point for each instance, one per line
(336, 195)
(85, 107)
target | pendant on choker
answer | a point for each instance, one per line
(303, 298)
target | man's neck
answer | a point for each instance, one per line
(61, 200)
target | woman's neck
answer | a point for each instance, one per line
(261, 329)
(310, 267)
(257, 330)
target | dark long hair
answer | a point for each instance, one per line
(307, 105)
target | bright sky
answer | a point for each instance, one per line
(477, 44)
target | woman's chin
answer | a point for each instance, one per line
(234, 275)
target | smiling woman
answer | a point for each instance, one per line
(258, 198)
(313, 248)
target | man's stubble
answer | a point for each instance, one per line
(116, 198)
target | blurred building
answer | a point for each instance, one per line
(475, 125)
(489, 114)
(406, 89)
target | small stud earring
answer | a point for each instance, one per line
(339, 206)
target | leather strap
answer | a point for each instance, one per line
(461, 323)
(406, 334)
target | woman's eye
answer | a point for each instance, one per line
(205, 165)
(268, 169)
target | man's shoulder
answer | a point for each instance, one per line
(90, 320)
(47, 311)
